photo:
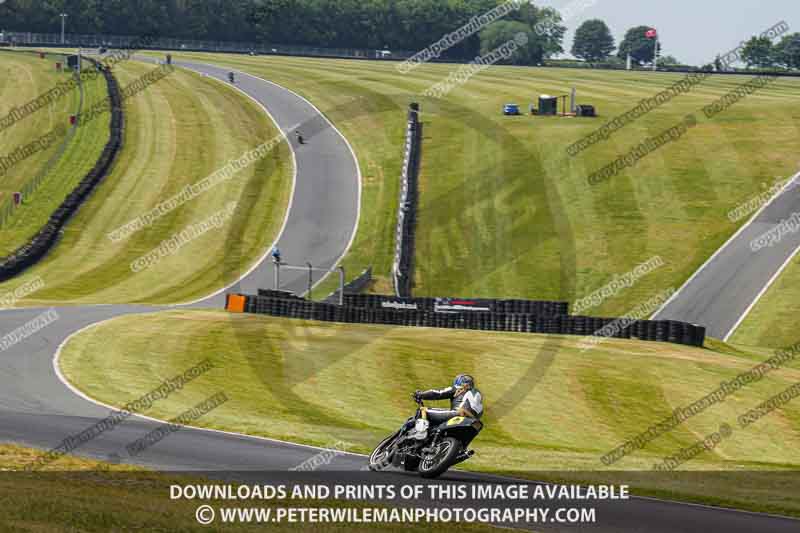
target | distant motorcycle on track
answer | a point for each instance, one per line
(429, 451)
(231, 77)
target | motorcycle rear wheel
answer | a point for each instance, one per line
(439, 461)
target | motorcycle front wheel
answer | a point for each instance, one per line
(439, 460)
(379, 458)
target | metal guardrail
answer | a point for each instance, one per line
(352, 287)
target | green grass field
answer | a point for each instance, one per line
(506, 212)
(78, 158)
(178, 131)
(26, 76)
(549, 406)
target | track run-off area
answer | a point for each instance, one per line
(39, 407)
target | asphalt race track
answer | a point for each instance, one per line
(37, 409)
(722, 291)
(323, 215)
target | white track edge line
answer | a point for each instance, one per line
(355, 160)
(761, 293)
(289, 206)
(721, 248)
(81, 394)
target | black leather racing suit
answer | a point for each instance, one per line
(470, 399)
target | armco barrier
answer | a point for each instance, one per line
(649, 330)
(403, 267)
(352, 287)
(31, 252)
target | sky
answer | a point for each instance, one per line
(693, 31)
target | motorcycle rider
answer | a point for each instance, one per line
(230, 77)
(299, 136)
(465, 400)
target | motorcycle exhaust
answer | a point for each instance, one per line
(463, 457)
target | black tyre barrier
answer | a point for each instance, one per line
(276, 303)
(37, 247)
(403, 267)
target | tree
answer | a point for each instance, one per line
(279, 21)
(638, 45)
(759, 52)
(787, 52)
(547, 32)
(497, 34)
(718, 63)
(593, 41)
(668, 61)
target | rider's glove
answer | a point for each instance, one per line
(417, 395)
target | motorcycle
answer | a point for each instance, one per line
(300, 139)
(231, 77)
(428, 451)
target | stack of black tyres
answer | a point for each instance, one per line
(407, 217)
(366, 310)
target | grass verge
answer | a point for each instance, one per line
(25, 77)
(560, 412)
(79, 156)
(773, 320)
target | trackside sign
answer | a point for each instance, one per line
(399, 305)
(453, 305)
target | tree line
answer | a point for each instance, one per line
(410, 25)
(371, 24)
(594, 43)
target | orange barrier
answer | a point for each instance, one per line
(235, 303)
